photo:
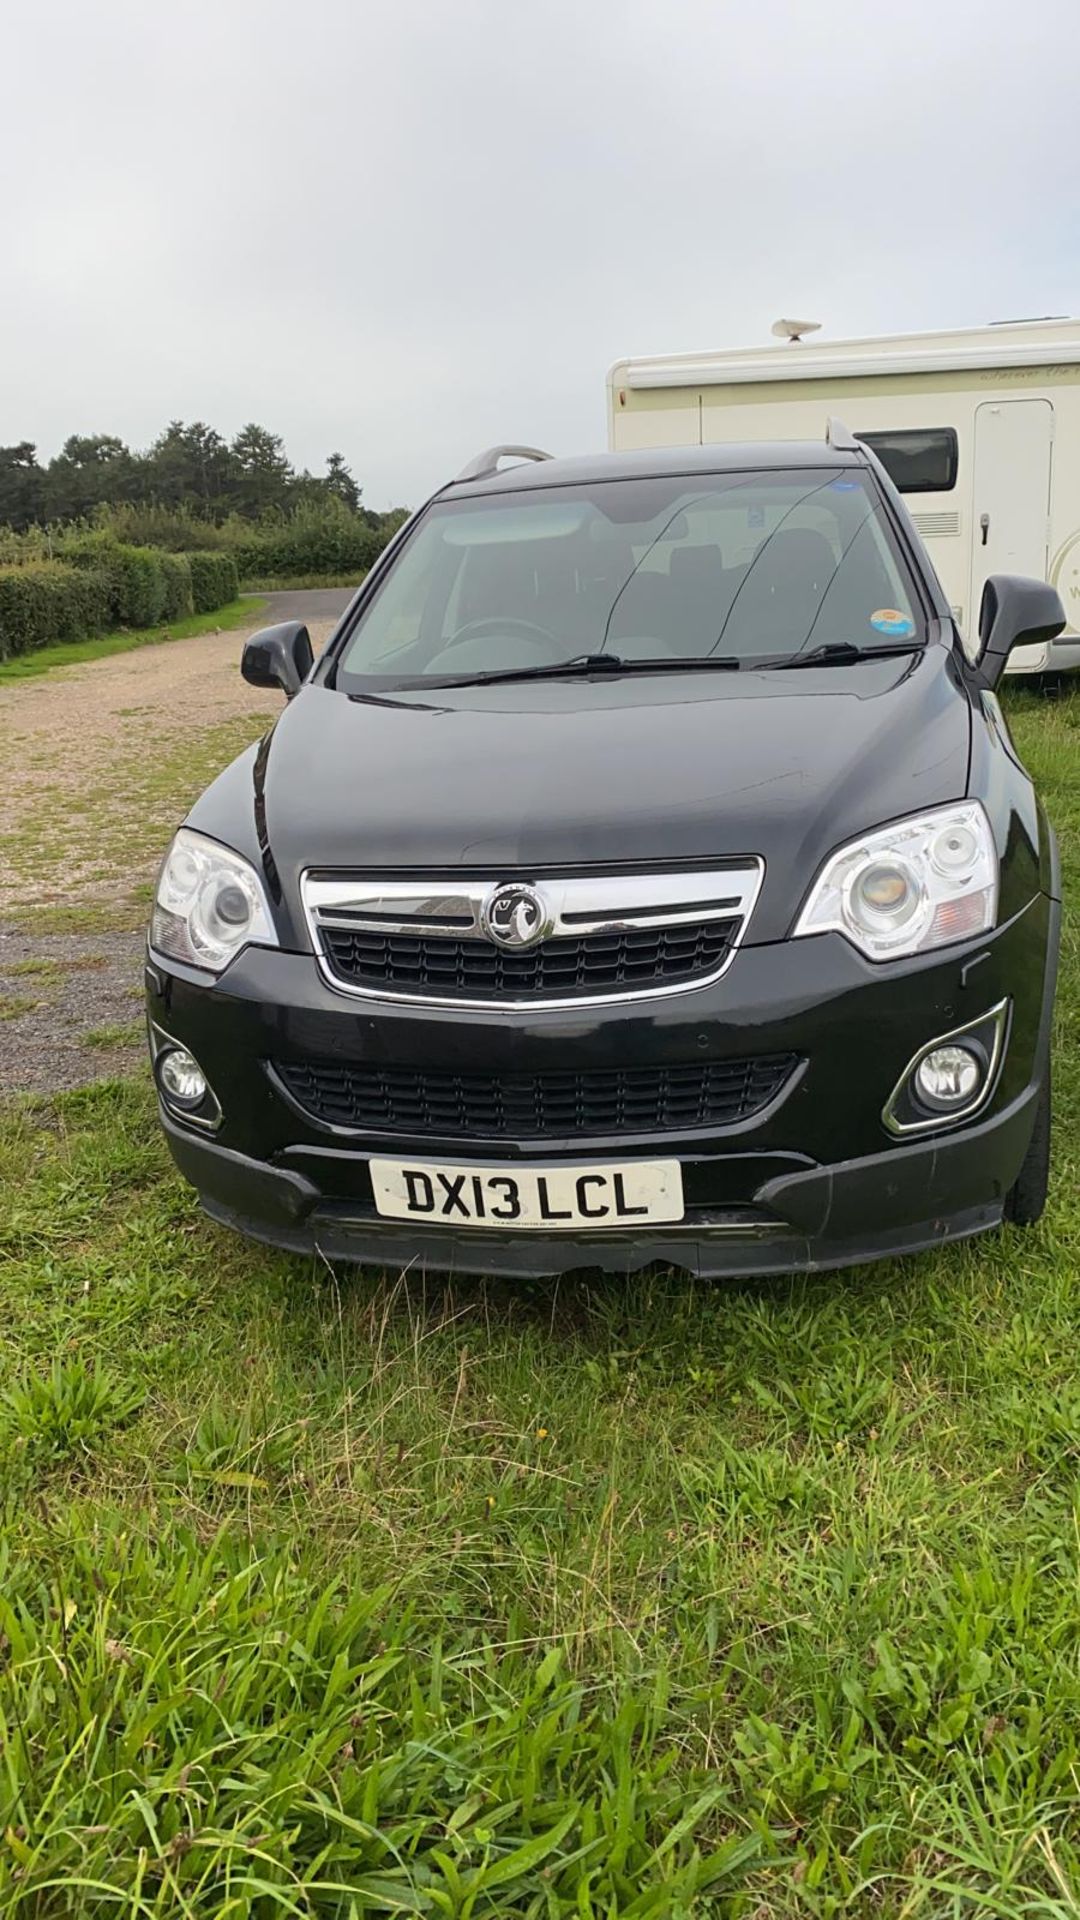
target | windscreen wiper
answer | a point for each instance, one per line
(382, 700)
(841, 653)
(586, 663)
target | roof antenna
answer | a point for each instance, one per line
(793, 330)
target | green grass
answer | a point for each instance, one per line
(124, 915)
(353, 1595)
(74, 653)
(301, 582)
(52, 969)
(13, 1005)
(119, 1034)
(36, 969)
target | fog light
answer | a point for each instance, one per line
(949, 1077)
(181, 1078)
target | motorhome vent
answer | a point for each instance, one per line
(937, 526)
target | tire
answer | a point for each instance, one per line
(1025, 1201)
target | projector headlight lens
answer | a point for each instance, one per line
(910, 887)
(210, 903)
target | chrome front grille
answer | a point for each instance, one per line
(524, 942)
(590, 964)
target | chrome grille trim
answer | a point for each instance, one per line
(449, 906)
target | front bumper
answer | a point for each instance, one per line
(814, 1181)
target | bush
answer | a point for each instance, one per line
(175, 528)
(319, 539)
(149, 585)
(179, 601)
(89, 594)
(16, 549)
(46, 601)
(323, 539)
(142, 589)
(214, 580)
(138, 584)
(100, 584)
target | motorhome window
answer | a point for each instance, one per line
(920, 460)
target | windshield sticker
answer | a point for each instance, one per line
(844, 486)
(891, 620)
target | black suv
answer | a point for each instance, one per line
(644, 872)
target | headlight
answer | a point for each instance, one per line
(909, 887)
(209, 904)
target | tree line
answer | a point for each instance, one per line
(189, 468)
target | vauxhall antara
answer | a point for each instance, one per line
(644, 872)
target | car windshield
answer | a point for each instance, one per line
(683, 568)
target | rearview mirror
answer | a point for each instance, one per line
(1015, 613)
(278, 657)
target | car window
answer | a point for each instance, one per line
(749, 564)
(414, 602)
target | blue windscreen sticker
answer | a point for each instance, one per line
(890, 620)
(844, 486)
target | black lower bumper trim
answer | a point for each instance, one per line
(899, 1201)
(706, 1253)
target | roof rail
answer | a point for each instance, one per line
(488, 462)
(839, 436)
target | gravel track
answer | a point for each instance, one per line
(70, 1001)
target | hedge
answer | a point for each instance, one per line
(317, 539)
(179, 595)
(139, 588)
(309, 544)
(214, 580)
(48, 602)
(101, 585)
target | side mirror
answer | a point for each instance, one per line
(278, 657)
(1015, 613)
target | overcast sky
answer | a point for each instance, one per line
(409, 230)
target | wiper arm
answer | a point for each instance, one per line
(382, 700)
(840, 653)
(586, 663)
(548, 670)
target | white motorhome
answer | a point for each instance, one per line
(980, 430)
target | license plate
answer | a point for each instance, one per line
(627, 1194)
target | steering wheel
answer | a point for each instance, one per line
(527, 630)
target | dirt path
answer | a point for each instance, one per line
(98, 763)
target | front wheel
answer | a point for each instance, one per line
(1025, 1201)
